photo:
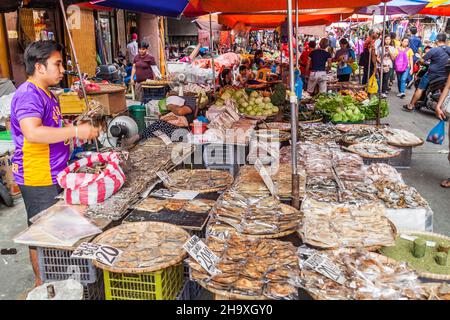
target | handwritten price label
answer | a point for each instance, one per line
(164, 137)
(198, 250)
(164, 176)
(102, 253)
(326, 267)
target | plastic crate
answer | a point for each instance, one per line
(96, 290)
(191, 289)
(154, 93)
(57, 265)
(164, 284)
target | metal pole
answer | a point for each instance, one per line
(83, 89)
(381, 70)
(358, 34)
(297, 55)
(294, 113)
(211, 40)
(370, 55)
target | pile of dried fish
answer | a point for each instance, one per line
(146, 244)
(254, 268)
(255, 215)
(373, 150)
(364, 134)
(326, 225)
(95, 168)
(199, 180)
(145, 160)
(377, 171)
(400, 137)
(348, 166)
(156, 205)
(359, 275)
(250, 182)
(398, 196)
(319, 133)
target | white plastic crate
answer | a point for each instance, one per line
(57, 265)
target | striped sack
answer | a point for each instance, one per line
(92, 188)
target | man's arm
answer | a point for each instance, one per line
(133, 72)
(34, 131)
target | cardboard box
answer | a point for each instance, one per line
(7, 175)
(112, 103)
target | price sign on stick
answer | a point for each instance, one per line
(326, 267)
(102, 253)
(198, 250)
(265, 176)
(164, 137)
(164, 176)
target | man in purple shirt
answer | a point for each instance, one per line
(39, 134)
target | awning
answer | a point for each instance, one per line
(437, 8)
(13, 5)
(396, 7)
(240, 6)
(167, 8)
(273, 20)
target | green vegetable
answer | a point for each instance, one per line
(278, 98)
(371, 110)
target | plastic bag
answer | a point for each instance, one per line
(437, 134)
(373, 85)
(298, 85)
(92, 188)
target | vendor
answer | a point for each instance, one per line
(41, 140)
(244, 75)
(142, 68)
(225, 78)
(259, 61)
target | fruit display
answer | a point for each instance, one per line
(358, 96)
(253, 104)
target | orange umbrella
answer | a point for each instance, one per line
(438, 11)
(240, 6)
(274, 20)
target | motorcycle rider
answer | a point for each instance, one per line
(438, 57)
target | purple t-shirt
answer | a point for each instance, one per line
(36, 164)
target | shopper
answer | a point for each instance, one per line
(259, 61)
(319, 62)
(368, 60)
(142, 68)
(40, 137)
(309, 47)
(403, 65)
(443, 103)
(385, 60)
(225, 78)
(438, 58)
(345, 56)
(132, 49)
(332, 41)
(395, 43)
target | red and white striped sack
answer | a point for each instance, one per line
(92, 188)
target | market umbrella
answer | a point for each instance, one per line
(239, 6)
(443, 10)
(172, 8)
(275, 20)
(13, 5)
(396, 7)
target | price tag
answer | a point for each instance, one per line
(265, 176)
(326, 267)
(198, 250)
(164, 176)
(232, 112)
(102, 253)
(164, 137)
(178, 195)
(412, 238)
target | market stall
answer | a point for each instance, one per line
(317, 186)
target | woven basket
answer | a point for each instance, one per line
(371, 156)
(168, 227)
(406, 146)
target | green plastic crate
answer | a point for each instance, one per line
(5, 135)
(159, 285)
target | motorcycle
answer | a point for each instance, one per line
(431, 95)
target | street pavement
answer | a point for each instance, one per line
(429, 166)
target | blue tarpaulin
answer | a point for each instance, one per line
(167, 8)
